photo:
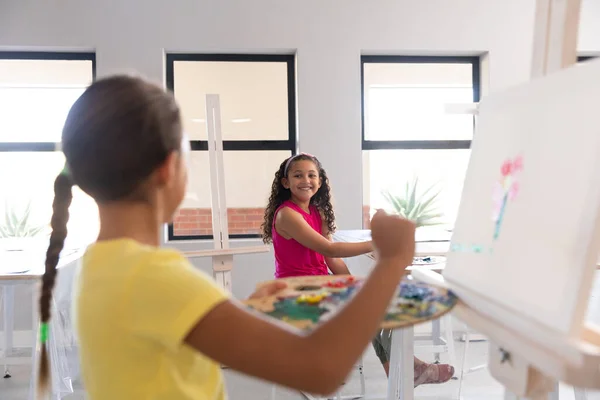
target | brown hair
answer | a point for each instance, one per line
(115, 135)
(279, 194)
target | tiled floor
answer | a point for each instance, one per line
(478, 385)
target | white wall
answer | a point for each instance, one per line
(328, 37)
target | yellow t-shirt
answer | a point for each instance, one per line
(133, 307)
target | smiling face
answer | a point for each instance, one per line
(302, 180)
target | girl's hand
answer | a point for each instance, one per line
(268, 290)
(393, 237)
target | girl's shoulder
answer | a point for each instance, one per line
(285, 210)
(286, 204)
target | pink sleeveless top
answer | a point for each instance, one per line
(292, 258)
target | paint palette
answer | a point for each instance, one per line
(419, 261)
(309, 300)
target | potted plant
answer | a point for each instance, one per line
(420, 207)
(18, 231)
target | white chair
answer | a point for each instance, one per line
(338, 395)
(61, 384)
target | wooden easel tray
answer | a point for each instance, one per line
(309, 300)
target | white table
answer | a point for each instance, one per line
(26, 268)
(401, 375)
(427, 244)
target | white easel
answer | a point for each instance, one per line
(554, 47)
(524, 358)
(222, 254)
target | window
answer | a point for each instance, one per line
(36, 92)
(258, 123)
(415, 154)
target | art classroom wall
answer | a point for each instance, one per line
(328, 38)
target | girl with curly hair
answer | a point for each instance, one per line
(299, 221)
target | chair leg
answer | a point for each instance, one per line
(34, 362)
(273, 392)
(464, 361)
(580, 394)
(338, 395)
(449, 337)
(9, 310)
(436, 336)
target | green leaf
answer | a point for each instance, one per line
(419, 207)
(17, 222)
(394, 202)
(413, 213)
(428, 203)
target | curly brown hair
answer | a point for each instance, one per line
(279, 194)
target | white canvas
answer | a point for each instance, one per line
(541, 265)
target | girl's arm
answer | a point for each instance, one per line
(336, 265)
(290, 224)
(318, 362)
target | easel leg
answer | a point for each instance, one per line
(223, 279)
(402, 373)
(222, 266)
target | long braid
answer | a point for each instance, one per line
(60, 217)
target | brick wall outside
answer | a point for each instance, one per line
(198, 221)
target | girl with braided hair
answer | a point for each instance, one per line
(151, 326)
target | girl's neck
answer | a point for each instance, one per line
(138, 221)
(305, 205)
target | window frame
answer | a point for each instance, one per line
(417, 144)
(239, 145)
(581, 59)
(43, 56)
(371, 145)
(43, 147)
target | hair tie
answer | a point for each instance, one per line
(44, 332)
(65, 170)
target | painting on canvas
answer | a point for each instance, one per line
(526, 236)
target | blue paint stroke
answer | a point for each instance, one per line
(500, 217)
(474, 248)
(477, 248)
(456, 247)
